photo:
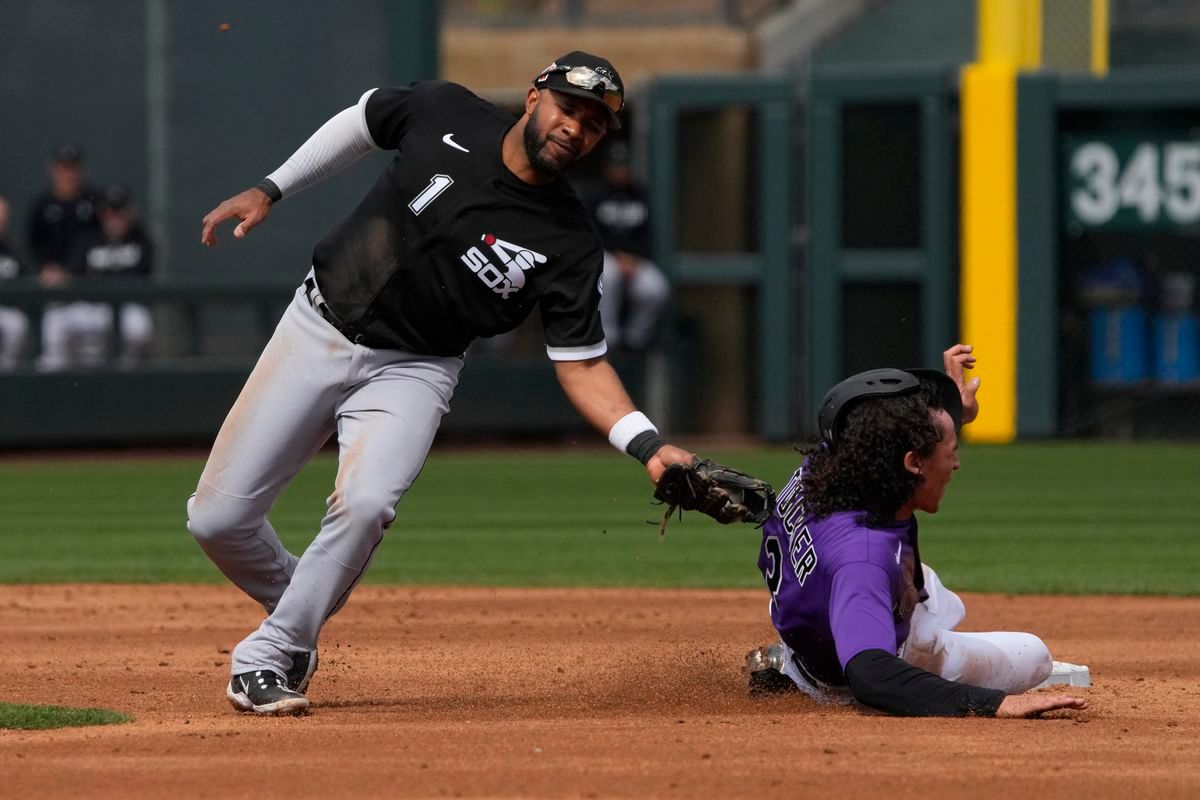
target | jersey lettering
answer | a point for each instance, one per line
(492, 277)
(789, 503)
(803, 555)
(114, 257)
(517, 260)
(437, 184)
(474, 259)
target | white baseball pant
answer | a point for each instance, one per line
(647, 294)
(1007, 661)
(78, 334)
(14, 331)
(310, 382)
(1004, 660)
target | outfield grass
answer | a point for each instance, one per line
(1025, 518)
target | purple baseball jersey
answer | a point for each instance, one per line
(838, 586)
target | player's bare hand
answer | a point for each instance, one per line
(251, 208)
(958, 358)
(667, 455)
(1031, 705)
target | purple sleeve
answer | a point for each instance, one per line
(860, 611)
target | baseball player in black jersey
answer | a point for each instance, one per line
(78, 333)
(62, 215)
(14, 325)
(468, 229)
(637, 291)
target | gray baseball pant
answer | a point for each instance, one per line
(310, 382)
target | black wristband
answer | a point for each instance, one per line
(645, 445)
(268, 187)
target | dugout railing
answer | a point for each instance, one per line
(208, 336)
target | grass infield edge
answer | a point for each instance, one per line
(19, 716)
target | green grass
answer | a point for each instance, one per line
(37, 718)
(1025, 518)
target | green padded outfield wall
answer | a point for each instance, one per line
(187, 103)
(186, 113)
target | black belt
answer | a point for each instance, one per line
(317, 301)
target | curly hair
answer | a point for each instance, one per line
(866, 472)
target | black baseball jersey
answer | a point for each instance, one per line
(449, 245)
(56, 226)
(622, 215)
(10, 267)
(130, 255)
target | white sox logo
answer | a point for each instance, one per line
(515, 259)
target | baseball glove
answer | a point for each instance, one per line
(723, 493)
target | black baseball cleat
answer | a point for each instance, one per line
(265, 692)
(303, 666)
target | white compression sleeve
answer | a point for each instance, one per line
(336, 145)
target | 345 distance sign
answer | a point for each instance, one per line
(1130, 182)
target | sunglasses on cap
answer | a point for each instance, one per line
(589, 80)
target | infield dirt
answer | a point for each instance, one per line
(444, 692)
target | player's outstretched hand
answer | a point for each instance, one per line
(667, 455)
(958, 358)
(1031, 705)
(251, 207)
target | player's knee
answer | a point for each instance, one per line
(363, 507)
(137, 337)
(924, 648)
(210, 517)
(137, 326)
(1033, 659)
(13, 326)
(202, 520)
(652, 287)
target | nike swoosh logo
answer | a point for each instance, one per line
(448, 139)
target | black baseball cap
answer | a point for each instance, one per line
(585, 75)
(831, 418)
(116, 196)
(67, 153)
(618, 154)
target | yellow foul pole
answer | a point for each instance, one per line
(1009, 41)
(1099, 38)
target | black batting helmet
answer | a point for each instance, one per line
(831, 419)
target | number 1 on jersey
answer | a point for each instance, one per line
(437, 185)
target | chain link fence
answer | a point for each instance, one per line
(1067, 35)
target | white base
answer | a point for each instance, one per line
(1065, 674)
